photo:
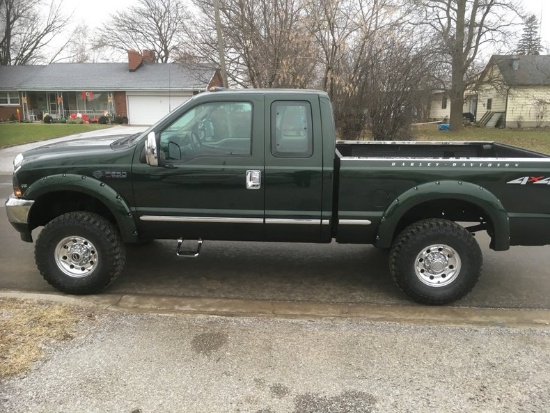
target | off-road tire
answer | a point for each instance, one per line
(454, 267)
(84, 233)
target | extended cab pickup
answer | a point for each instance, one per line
(263, 165)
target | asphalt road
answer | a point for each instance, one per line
(333, 273)
(290, 342)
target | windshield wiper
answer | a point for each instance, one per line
(125, 140)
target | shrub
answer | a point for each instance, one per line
(120, 119)
(519, 122)
(77, 121)
(47, 119)
(104, 120)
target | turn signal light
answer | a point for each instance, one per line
(17, 192)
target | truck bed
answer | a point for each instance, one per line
(428, 149)
(372, 175)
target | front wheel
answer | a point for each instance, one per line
(435, 261)
(80, 253)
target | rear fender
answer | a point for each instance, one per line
(445, 190)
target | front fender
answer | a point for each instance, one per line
(445, 190)
(94, 188)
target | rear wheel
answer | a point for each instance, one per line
(80, 253)
(435, 261)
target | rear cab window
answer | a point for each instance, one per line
(291, 129)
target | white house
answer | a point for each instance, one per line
(440, 105)
(516, 90)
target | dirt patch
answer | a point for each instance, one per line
(28, 327)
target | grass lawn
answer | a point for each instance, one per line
(534, 139)
(20, 133)
(537, 139)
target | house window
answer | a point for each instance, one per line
(9, 98)
(489, 104)
(444, 102)
(91, 102)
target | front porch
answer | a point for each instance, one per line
(66, 105)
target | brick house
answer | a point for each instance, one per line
(141, 90)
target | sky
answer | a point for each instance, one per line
(96, 12)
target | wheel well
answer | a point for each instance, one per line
(54, 204)
(451, 209)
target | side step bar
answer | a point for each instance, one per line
(180, 252)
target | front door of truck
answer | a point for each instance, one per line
(293, 169)
(209, 181)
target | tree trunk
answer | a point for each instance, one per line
(457, 97)
(458, 57)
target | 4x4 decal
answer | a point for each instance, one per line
(531, 180)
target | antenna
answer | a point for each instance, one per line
(540, 20)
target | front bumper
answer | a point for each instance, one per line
(18, 215)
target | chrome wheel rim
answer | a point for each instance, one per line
(437, 265)
(76, 256)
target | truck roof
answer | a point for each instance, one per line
(268, 91)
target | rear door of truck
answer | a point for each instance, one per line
(293, 167)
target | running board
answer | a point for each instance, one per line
(188, 253)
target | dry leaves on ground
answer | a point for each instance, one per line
(27, 326)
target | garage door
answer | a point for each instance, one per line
(146, 110)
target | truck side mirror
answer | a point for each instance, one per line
(151, 153)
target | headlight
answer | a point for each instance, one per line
(17, 161)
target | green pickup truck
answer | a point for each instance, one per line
(264, 165)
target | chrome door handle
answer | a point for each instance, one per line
(253, 179)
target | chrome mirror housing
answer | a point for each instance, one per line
(151, 153)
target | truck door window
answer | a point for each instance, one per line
(210, 129)
(291, 131)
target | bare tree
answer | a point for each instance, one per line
(78, 48)
(343, 44)
(26, 29)
(267, 42)
(151, 24)
(462, 28)
(357, 39)
(347, 47)
(396, 83)
(541, 111)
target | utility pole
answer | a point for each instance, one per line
(220, 42)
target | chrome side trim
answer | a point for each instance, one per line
(292, 221)
(354, 222)
(18, 210)
(214, 220)
(166, 218)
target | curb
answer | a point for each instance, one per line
(454, 316)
